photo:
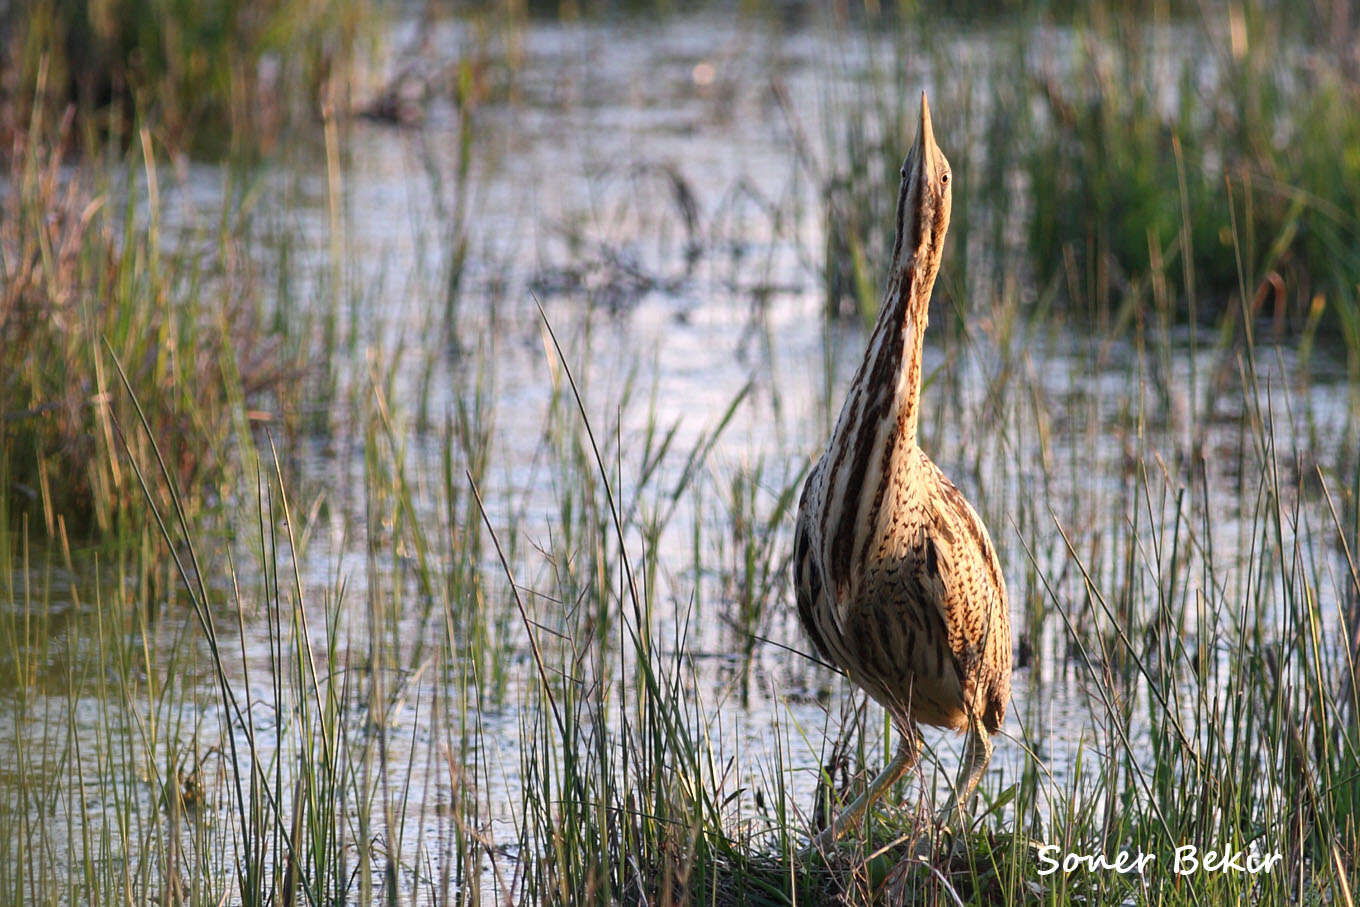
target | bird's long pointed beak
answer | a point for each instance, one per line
(925, 139)
(926, 132)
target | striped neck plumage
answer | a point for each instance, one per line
(900, 331)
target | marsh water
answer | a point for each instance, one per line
(656, 189)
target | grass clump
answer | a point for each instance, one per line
(1156, 146)
(85, 281)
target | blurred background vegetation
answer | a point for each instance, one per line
(1214, 159)
(212, 78)
(97, 95)
(1117, 161)
(1209, 167)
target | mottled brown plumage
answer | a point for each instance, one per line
(897, 581)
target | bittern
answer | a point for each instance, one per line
(897, 581)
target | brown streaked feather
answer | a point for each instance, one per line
(897, 581)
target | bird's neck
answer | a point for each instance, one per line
(895, 347)
(877, 425)
(879, 417)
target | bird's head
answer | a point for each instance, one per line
(923, 203)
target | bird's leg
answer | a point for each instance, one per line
(977, 752)
(902, 761)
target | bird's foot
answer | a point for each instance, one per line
(944, 846)
(936, 843)
(956, 815)
(945, 840)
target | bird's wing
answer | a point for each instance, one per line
(974, 601)
(808, 581)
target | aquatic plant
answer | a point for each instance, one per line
(87, 282)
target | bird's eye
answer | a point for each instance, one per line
(944, 178)
(904, 172)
